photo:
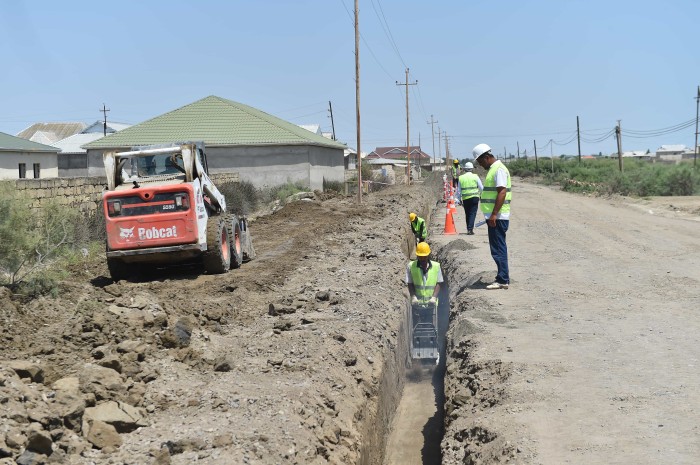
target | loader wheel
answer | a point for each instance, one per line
(118, 269)
(217, 258)
(235, 244)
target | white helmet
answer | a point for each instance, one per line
(480, 149)
(468, 166)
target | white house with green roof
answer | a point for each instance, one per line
(22, 158)
(262, 148)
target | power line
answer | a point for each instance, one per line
(391, 36)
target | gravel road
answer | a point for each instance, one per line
(592, 354)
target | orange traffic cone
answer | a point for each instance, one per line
(449, 224)
(453, 208)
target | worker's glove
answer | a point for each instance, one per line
(414, 300)
(433, 300)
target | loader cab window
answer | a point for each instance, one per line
(135, 168)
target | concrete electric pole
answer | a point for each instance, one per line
(578, 135)
(432, 129)
(697, 114)
(408, 141)
(104, 126)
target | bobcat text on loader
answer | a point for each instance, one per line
(161, 207)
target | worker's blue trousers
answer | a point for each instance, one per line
(499, 250)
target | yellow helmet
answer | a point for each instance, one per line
(422, 249)
(455, 161)
(412, 217)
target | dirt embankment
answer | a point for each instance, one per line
(290, 359)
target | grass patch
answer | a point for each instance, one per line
(640, 178)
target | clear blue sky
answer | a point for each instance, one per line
(490, 71)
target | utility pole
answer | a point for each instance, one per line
(505, 154)
(618, 133)
(439, 142)
(357, 100)
(104, 126)
(578, 135)
(537, 167)
(518, 144)
(551, 154)
(330, 108)
(432, 129)
(447, 149)
(697, 114)
(408, 144)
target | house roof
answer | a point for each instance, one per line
(10, 143)
(397, 152)
(387, 161)
(74, 143)
(672, 148)
(98, 127)
(215, 121)
(51, 132)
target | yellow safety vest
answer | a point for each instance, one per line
(468, 185)
(424, 290)
(418, 227)
(488, 196)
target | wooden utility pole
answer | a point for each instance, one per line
(408, 141)
(697, 114)
(432, 129)
(518, 144)
(104, 125)
(578, 135)
(357, 100)
(439, 142)
(330, 108)
(537, 167)
(618, 133)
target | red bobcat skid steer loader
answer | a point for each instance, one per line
(161, 207)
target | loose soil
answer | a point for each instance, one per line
(299, 356)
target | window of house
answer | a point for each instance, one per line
(22, 170)
(37, 170)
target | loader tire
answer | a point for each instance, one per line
(217, 258)
(118, 270)
(235, 240)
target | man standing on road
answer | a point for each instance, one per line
(495, 204)
(471, 187)
(418, 227)
(423, 277)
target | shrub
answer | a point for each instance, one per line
(242, 198)
(336, 186)
(30, 240)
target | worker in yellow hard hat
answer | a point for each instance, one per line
(418, 227)
(456, 171)
(423, 277)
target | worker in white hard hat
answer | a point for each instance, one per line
(471, 188)
(495, 204)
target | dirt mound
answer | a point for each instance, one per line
(282, 360)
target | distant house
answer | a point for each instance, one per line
(21, 158)
(671, 153)
(638, 154)
(398, 152)
(263, 149)
(48, 133)
(72, 159)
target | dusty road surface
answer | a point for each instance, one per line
(592, 354)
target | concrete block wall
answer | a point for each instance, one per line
(84, 193)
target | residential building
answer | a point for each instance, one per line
(48, 133)
(21, 158)
(263, 149)
(72, 159)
